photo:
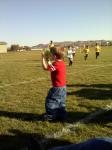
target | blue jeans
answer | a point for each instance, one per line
(92, 144)
(55, 103)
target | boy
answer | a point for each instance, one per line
(55, 100)
(70, 55)
(86, 51)
(74, 51)
(51, 45)
(97, 49)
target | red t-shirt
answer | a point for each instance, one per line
(58, 73)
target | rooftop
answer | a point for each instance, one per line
(3, 43)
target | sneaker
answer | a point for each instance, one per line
(47, 118)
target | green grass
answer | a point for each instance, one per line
(24, 86)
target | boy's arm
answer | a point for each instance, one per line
(44, 63)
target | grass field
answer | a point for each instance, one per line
(24, 86)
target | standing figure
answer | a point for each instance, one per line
(74, 51)
(55, 101)
(86, 51)
(97, 49)
(70, 55)
(51, 45)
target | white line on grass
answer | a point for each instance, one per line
(23, 82)
(70, 128)
(88, 69)
(42, 78)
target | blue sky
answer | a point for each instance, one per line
(30, 22)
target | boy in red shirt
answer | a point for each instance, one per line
(55, 100)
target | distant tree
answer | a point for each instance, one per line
(8, 49)
(110, 43)
(20, 48)
(14, 48)
(27, 48)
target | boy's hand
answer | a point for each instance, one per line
(43, 53)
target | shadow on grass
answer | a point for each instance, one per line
(71, 116)
(96, 94)
(91, 85)
(28, 141)
(103, 119)
(21, 139)
(22, 116)
(94, 91)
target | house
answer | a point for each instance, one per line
(36, 49)
(3, 47)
